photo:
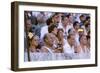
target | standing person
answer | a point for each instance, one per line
(71, 19)
(44, 29)
(82, 19)
(65, 25)
(27, 29)
(76, 27)
(41, 20)
(56, 18)
(28, 25)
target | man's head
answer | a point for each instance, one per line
(76, 25)
(82, 18)
(65, 20)
(71, 39)
(52, 29)
(48, 39)
(70, 16)
(55, 18)
(71, 31)
(28, 24)
(41, 18)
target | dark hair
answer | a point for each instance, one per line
(69, 31)
(81, 15)
(49, 21)
(69, 36)
(60, 29)
(64, 16)
(88, 17)
(88, 37)
(55, 14)
(68, 15)
(81, 37)
(34, 20)
(45, 36)
(75, 23)
(86, 25)
(51, 28)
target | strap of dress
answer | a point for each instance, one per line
(49, 50)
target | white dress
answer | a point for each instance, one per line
(84, 54)
(48, 55)
(34, 56)
(43, 31)
(59, 56)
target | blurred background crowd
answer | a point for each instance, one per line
(56, 36)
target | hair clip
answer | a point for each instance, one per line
(30, 35)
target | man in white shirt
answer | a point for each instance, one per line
(69, 48)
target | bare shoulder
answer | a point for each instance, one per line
(44, 49)
(78, 49)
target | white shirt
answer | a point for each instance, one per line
(68, 51)
(44, 30)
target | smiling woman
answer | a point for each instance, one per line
(50, 36)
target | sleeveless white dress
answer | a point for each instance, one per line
(34, 56)
(84, 54)
(48, 55)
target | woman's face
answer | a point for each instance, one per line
(35, 41)
(77, 26)
(55, 31)
(83, 40)
(60, 34)
(56, 19)
(65, 21)
(50, 39)
(28, 24)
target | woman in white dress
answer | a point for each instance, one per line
(83, 52)
(33, 51)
